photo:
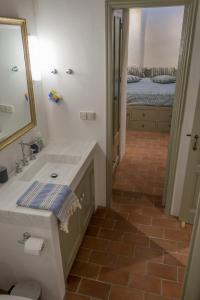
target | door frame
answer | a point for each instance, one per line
(187, 210)
(119, 91)
(185, 53)
(191, 282)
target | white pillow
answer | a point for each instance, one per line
(132, 78)
(164, 79)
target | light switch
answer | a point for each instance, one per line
(83, 115)
(7, 108)
(91, 116)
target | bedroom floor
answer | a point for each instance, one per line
(133, 251)
(142, 169)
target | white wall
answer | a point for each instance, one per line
(23, 9)
(162, 36)
(154, 37)
(72, 35)
(136, 37)
(193, 85)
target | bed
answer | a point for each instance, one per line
(149, 105)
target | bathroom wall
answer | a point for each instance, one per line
(72, 35)
(23, 9)
(155, 34)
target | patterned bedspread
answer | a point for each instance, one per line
(146, 92)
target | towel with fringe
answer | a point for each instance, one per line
(59, 199)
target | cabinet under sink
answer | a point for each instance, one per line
(70, 243)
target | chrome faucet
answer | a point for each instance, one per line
(24, 157)
(18, 168)
(32, 154)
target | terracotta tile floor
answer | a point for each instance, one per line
(132, 251)
(142, 169)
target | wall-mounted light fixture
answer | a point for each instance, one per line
(69, 71)
(34, 57)
(54, 71)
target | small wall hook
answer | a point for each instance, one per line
(69, 71)
(54, 71)
(15, 69)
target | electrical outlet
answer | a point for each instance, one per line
(83, 115)
(91, 116)
(88, 115)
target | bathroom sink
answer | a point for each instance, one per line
(51, 168)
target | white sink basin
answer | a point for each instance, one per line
(43, 167)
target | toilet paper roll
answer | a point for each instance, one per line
(34, 246)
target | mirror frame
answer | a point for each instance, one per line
(33, 123)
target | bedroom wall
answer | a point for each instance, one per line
(154, 36)
(162, 36)
(136, 37)
(72, 35)
(23, 9)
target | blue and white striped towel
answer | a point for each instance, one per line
(59, 199)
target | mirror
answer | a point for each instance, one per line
(17, 110)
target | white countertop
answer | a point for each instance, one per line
(17, 183)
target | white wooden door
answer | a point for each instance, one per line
(192, 179)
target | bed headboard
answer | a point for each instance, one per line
(136, 71)
(151, 72)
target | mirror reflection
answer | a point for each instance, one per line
(15, 106)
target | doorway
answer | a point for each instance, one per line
(144, 224)
(149, 97)
(181, 88)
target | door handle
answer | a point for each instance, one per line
(196, 137)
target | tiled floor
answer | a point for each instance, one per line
(143, 167)
(132, 251)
